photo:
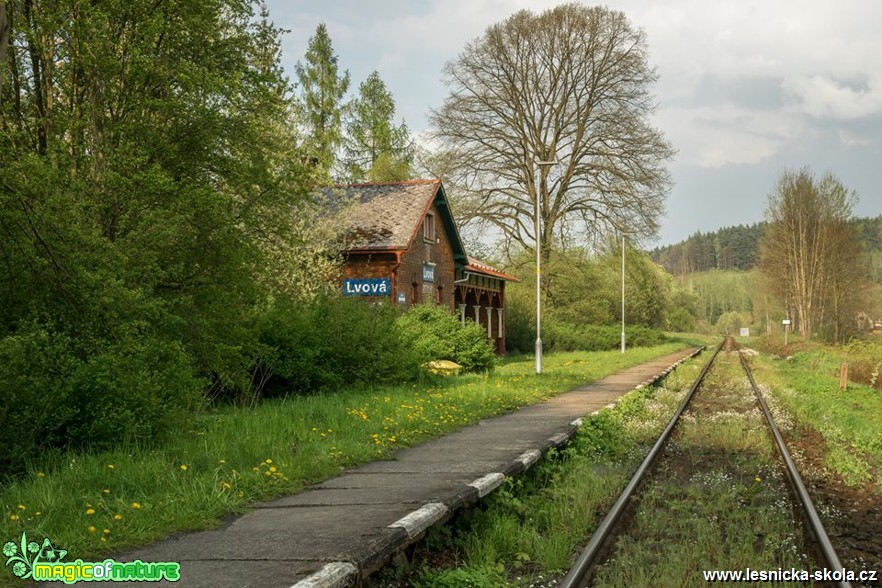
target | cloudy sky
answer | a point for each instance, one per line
(746, 90)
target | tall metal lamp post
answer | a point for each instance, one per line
(623, 293)
(539, 275)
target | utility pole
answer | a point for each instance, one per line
(539, 270)
(623, 293)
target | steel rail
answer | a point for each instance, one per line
(796, 482)
(576, 576)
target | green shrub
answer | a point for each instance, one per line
(520, 328)
(57, 397)
(472, 577)
(330, 343)
(680, 320)
(132, 391)
(434, 333)
(34, 405)
(563, 336)
(333, 342)
(866, 362)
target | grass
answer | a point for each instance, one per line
(722, 505)
(94, 504)
(850, 421)
(528, 530)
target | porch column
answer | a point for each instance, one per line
(500, 312)
(462, 309)
(478, 313)
(489, 322)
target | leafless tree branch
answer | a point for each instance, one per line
(570, 85)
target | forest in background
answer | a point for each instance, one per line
(719, 283)
(736, 248)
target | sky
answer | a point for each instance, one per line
(747, 89)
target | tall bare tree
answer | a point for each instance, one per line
(569, 85)
(811, 254)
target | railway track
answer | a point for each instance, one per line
(614, 524)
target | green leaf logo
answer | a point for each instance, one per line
(24, 557)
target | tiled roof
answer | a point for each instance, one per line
(479, 267)
(385, 216)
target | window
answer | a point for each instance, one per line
(429, 227)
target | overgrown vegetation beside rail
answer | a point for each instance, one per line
(525, 533)
(59, 396)
(91, 504)
(717, 498)
(850, 421)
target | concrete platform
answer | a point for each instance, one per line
(339, 531)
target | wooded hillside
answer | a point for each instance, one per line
(735, 248)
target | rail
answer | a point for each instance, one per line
(579, 574)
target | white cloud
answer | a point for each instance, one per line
(823, 97)
(851, 139)
(728, 134)
(745, 85)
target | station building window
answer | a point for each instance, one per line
(429, 227)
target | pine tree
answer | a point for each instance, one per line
(376, 149)
(322, 91)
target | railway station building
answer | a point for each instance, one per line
(402, 245)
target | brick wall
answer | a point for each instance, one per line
(410, 274)
(370, 265)
(409, 277)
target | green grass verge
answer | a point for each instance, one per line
(850, 421)
(94, 504)
(720, 502)
(527, 531)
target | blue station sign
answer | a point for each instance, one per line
(367, 287)
(428, 272)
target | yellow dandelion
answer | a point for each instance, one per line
(184, 468)
(13, 517)
(103, 539)
(272, 468)
(110, 466)
(222, 462)
(22, 507)
(106, 531)
(41, 475)
(269, 461)
(758, 479)
(117, 517)
(90, 511)
(106, 491)
(136, 505)
(91, 528)
(38, 513)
